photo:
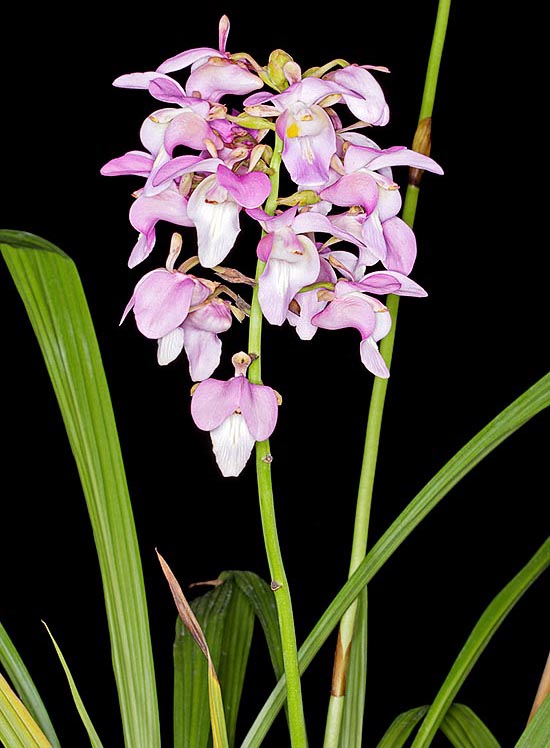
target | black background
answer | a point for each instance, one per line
(462, 354)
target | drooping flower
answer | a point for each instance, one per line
(368, 189)
(364, 96)
(213, 73)
(304, 126)
(237, 413)
(305, 305)
(163, 297)
(292, 260)
(351, 306)
(216, 202)
(200, 339)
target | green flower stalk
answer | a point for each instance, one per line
(422, 144)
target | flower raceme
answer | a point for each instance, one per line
(203, 162)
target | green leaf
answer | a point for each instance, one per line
(480, 637)
(17, 728)
(537, 732)
(50, 288)
(86, 721)
(226, 616)
(24, 686)
(215, 703)
(464, 729)
(351, 733)
(397, 733)
(525, 407)
(261, 598)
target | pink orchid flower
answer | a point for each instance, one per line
(237, 413)
(350, 306)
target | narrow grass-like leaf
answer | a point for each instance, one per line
(537, 732)
(50, 288)
(261, 598)
(24, 686)
(464, 729)
(81, 709)
(402, 726)
(351, 733)
(481, 635)
(226, 618)
(17, 728)
(217, 716)
(517, 414)
(237, 638)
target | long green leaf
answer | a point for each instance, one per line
(261, 598)
(24, 686)
(525, 407)
(50, 288)
(537, 732)
(402, 726)
(215, 702)
(231, 666)
(226, 618)
(481, 635)
(17, 728)
(81, 709)
(351, 734)
(464, 729)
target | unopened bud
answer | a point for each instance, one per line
(304, 197)
(277, 60)
(422, 143)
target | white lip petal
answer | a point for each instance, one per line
(170, 346)
(217, 223)
(232, 444)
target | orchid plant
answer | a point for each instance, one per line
(285, 150)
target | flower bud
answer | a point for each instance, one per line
(277, 60)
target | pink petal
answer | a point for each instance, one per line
(263, 250)
(401, 246)
(248, 190)
(142, 249)
(352, 310)
(365, 97)
(399, 156)
(353, 189)
(161, 302)
(373, 236)
(260, 409)
(203, 351)
(215, 400)
(133, 162)
(168, 205)
(191, 130)
(184, 59)
(372, 358)
(164, 88)
(220, 76)
(181, 165)
(384, 282)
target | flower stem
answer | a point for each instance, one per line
(372, 438)
(279, 583)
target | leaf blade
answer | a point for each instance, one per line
(24, 686)
(84, 716)
(51, 290)
(402, 726)
(483, 631)
(531, 402)
(464, 729)
(17, 728)
(537, 732)
(351, 734)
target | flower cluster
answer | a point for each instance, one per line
(205, 164)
